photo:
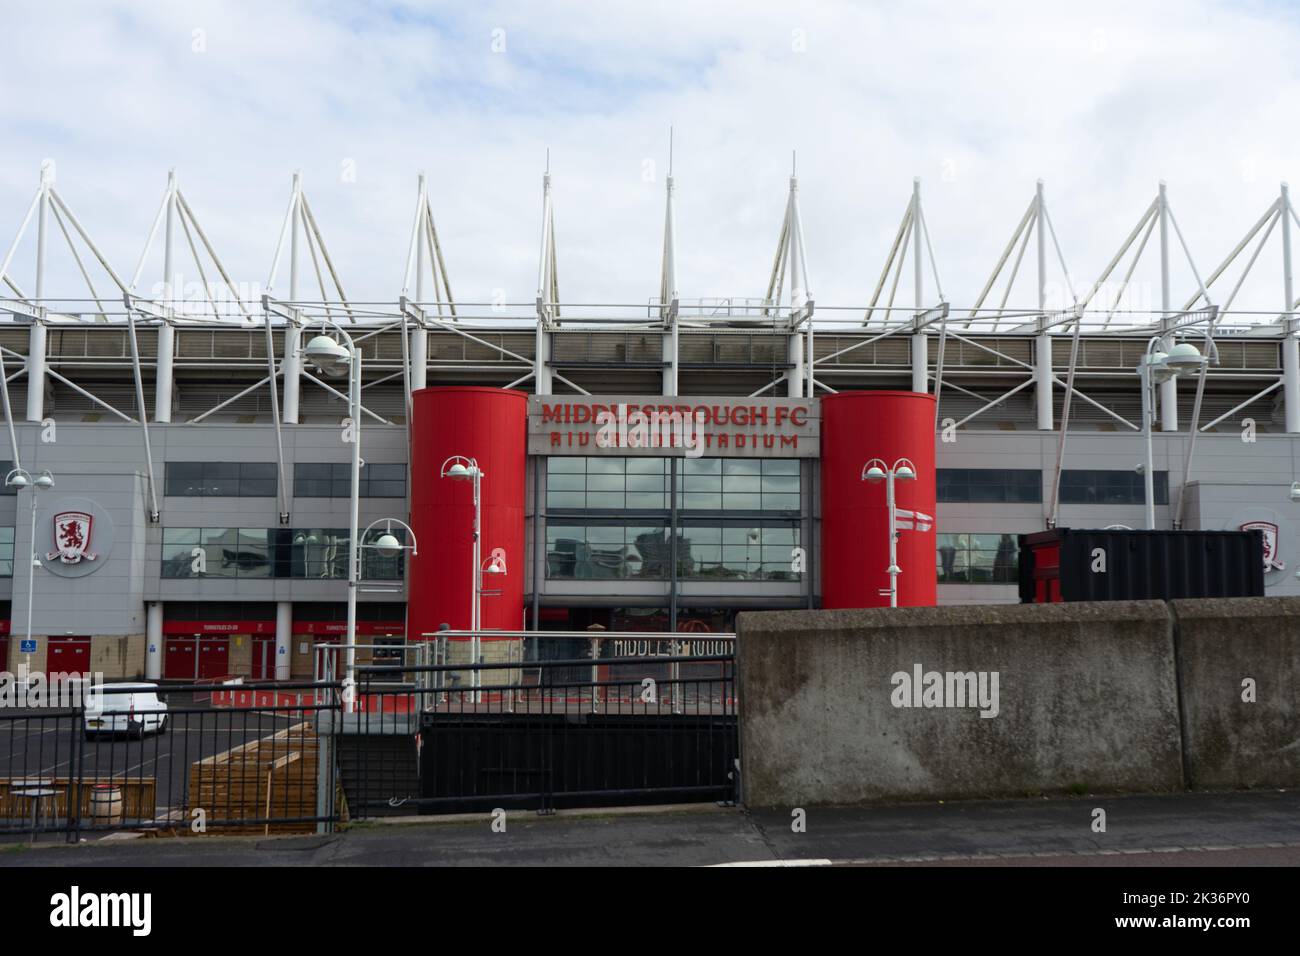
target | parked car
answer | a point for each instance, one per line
(131, 709)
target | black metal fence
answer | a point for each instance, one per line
(192, 759)
(543, 734)
(281, 757)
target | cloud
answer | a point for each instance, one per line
(979, 100)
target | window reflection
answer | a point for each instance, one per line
(978, 558)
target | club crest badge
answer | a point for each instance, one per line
(1271, 539)
(72, 537)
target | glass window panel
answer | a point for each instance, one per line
(220, 479)
(739, 555)
(563, 543)
(779, 536)
(743, 502)
(312, 488)
(178, 543)
(780, 502)
(702, 483)
(605, 466)
(699, 500)
(605, 536)
(740, 483)
(605, 482)
(387, 489)
(571, 466)
(780, 466)
(565, 499)
(222, 552)
(604, 499)
(565, 482)
(183, 478)
(645, 483)
(741, 466)
(788, 484)
(702, 466)
(646, 466)
(646, 501)
(254, 556)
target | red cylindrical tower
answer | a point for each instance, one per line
(489, 425)
(856, 427)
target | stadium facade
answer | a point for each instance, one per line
(651, 467)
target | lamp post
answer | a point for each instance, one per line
(18, 479)
(902, 470)
(1158, 367)
(330, 356)
(460, 468)
(387, 544)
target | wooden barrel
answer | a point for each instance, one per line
(105, 804)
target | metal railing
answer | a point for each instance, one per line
(536, 728)
(196, 759)
(544, 734)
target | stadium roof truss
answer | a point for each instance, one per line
(985, 353)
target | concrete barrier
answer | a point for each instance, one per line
(1077, 696)
(1232, 741)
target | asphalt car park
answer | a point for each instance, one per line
(49, 744)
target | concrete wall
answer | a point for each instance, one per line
(1086, 699)
(1231, 742)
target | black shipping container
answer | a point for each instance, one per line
(1104, 565)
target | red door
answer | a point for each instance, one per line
(68, 655)
(264, 657)
(214, 657)
(179, 661)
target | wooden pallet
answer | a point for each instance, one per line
(270, 779)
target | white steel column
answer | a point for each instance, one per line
(794, 383)
(1043, 343)
(547, 293)
(1168, 389)
(283, 638)
(668, 293)
(153, 640)
(1290, 344)
(163, 375)
(920, 341)
(419, 334)
(36, 337)
(292, 363)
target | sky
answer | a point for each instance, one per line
(979, 100)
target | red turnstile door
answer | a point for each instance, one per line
(263, 667)
(180, 658)
(214, 657)
(68, 655)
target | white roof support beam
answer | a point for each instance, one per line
(1290, 345)
(548, 295)
(669, 302)
(791, 261)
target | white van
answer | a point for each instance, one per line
(132, 709)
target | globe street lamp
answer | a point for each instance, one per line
(1157, 367)
(18, 479)
(902, 470)
(331, 356)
